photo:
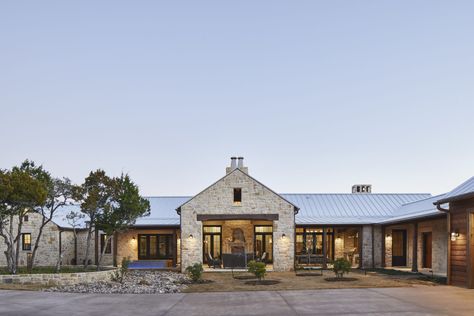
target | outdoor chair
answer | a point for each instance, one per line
(213, 263)
(263, 258)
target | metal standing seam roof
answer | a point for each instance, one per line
(315, 209)
(342, 208)
(465, 189)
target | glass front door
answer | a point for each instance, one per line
(263, 242)
(212, 242)
(155, 247)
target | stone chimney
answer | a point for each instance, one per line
(361, 188)
(236, 163)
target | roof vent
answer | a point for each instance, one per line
(362, 188)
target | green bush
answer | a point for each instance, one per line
(257, 268)
(195, 271)
(341, 266)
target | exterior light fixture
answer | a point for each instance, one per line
(388, 236)
(454, 235)
(133, 238)
(191, 236)
(283, 235)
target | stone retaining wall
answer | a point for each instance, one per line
(56, 278)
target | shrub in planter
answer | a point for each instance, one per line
(341, 266)
(195, 271)
(257, 268)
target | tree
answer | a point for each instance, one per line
(60, 193)
(22, 190)
(124, 208)
(75, 219)
(95, 195)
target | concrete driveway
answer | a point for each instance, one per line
(420, 300)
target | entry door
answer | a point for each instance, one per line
(427, 250)
(212, 246)
(399, 248)
(264, 243)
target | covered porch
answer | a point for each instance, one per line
(321, 245)
(233, 243)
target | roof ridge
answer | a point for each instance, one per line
(355, 194)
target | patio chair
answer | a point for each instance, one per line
(213, 263)
(263, 258)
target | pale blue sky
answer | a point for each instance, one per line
(315, 95)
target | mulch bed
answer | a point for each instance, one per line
(262, 282)
(244, 277)
(340, 279)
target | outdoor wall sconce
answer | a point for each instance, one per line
(283, 235)
(191, 236)
(454, 235)
(133, 238)
(388, 236)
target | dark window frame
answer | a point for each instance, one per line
(237, 196)
(25, 246)
(211, 246)
(255, 233)
(169, 249)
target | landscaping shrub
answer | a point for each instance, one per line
(341, 266)
(119, 274)
(257, 268)
(195, 271)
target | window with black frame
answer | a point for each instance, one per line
(310, 240)
(155, 246)
(212, 242)
(26, 241)
(263, 242)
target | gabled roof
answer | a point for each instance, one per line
(296, 208)
(463, 191)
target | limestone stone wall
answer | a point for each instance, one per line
(56, 278)
(256, 199)
(48, 251)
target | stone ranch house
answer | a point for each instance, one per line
(238, 218)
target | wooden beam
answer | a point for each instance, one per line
(414, 263)
(215, 217)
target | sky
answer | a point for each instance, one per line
(315, 95)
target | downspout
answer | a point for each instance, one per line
(445, 210)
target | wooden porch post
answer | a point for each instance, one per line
(414, 264)
(325, 260)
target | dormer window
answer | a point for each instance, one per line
(237, 196)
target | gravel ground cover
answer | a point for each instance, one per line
(135, 282)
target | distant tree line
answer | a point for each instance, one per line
(109, 204)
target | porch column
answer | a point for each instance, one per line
(325, 251)
(414, 265)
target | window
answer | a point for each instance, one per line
(108, 248)
(237, 196)
(26, 241)
(25, 218)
